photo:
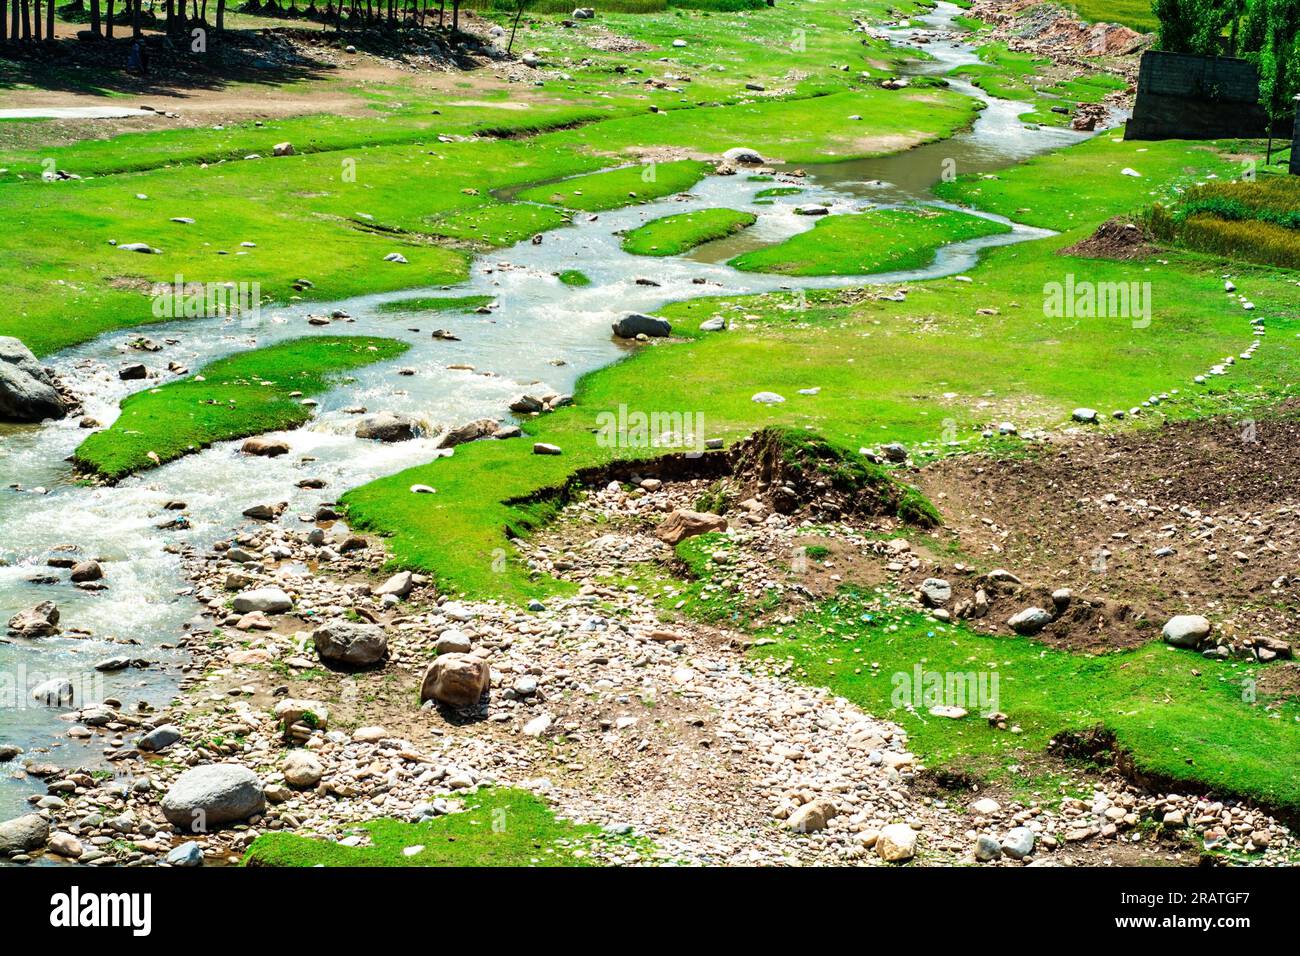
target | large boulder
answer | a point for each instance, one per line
(39, 621)
(351, 644)
(683, 524)
(470, 431)
(1029, 621)
(743, 156)
(457, 680)
(265, 447)
(638, 323)
(387, 427)
(23, 834)
(896, 843)
(266, 600)
(212, 795)
(26, 392)
(1186, 630)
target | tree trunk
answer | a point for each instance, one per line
(49, 19)
(108, 26)
(14, 28)
(135, 19)
(221, 15)
(455, 16)
(36, 20)
(27, 20)
(4, 20)
(95, 26)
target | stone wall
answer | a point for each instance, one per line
(1181, 96)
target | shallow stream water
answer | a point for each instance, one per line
(540, 331)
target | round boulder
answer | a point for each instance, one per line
(456, 680)
(351, 644)
(212, 795)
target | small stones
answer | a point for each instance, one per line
(545, 448)
(188, 854)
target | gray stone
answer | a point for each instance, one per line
(24, 834)
(302, 769)
(266, 600)
(188, 854)
(987, 848)
(400, 584)
(1029, 621)
(457, 680)
(160, 738)
(57, 692)
(637, 323)
(212, 795)
(936, 591)
(39, 621)
(743, 156)
(1086, 415)
(351, 644)
(27, 393)
(470, 431)
(1186, 630)
(387, 427)
(1019, 842)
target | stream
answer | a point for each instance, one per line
(540, 331)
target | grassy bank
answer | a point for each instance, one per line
(673, 235)
(883, 240)
(977, 353)
(243, 395)
(498, 827)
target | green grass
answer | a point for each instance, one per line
(774, 191)
(498, 827)
(976, 353)
(458, 303)
(574, 278)
(1136, 14)
(883, 240)
(498, 225)
(613, 188)
(243, 395)
(1182, 717)
(673, 235)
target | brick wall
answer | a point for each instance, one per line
(1180, 96)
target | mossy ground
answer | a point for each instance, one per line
(673, 235)
(498, 827)
(246, 394)
(850, 244)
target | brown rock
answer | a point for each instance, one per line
(457, 680)
(683, 524)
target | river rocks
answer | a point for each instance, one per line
(894, 452)
(812, 209)
(452, 641)
(302, 769)
(743, 156)
(160, 738)
(584, 13)
(265, 447)
(936, 592)
(292, 711)
(985, 807)
(351, 644)
(1186, 630)
(812, 817)
(27, 393)
(133, 371)
(8, 752)
(86, 571)
(526, 405)
(66, 845)
(56, 692)
(1019, 842)
(282, 149)
(683, 524)
(387, 427)
(1087, 416)
(24, 834)
(987, 848)
(266, 600)
(546, 448)
(39, 621)
(637, 323)
(456, 680)
(470, 431)
(399, 585)
(188, 854)
(1029, 621)
(211, 795)
(896, 843)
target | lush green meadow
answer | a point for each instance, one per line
(246, 394)
(673, 235)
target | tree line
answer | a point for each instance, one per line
(1265, 32)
